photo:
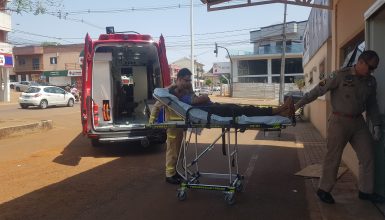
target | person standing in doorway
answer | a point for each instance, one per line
(352, 92)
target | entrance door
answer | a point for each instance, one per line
(374, 37)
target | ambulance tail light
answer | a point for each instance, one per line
(106, 110)
(95, 110)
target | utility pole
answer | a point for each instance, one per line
(192, 44)
(282, 76)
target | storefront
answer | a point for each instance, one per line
(6, 64)
(63, 77)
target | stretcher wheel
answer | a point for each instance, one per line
(182, 195)
(230, 198)
(238, 186)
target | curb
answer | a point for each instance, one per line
(43, 125)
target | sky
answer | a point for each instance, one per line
(69, 23)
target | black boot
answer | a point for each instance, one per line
(373, 197)
(325, 197)
(174, 179)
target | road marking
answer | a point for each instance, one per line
(249, 170)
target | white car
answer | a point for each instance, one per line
(44, 96)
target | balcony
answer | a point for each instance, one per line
(295, 48)
(5, 48)
(29, 68)
(5, 21)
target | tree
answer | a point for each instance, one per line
(223, 80)
(300, 83)
(208, 82)
(33, 6)
(47, 43)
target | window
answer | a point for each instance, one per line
(35, 63)
(21, 61)
(53, 60)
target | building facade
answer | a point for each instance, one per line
(198, 67)
(56, 64)
(6, 58)
(262, 66)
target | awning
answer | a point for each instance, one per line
(56, 73)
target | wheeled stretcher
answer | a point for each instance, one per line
(196, 118)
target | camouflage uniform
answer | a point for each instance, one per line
(174, 135)
(350, 95)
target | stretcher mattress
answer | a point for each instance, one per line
(199, 116)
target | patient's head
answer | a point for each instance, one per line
(183, 79)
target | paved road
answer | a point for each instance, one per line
(58, 175)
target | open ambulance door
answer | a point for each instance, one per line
(166, 78)
(86, 82)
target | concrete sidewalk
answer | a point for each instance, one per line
(311, 151)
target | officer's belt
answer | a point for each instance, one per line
(347, 115)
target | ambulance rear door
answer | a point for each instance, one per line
(86, 85)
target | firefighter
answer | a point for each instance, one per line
(174, 135)
(352, 91)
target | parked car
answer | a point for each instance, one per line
(44, 96)
(205, 91)
(12, 84)
(297, 95)
(22, 86)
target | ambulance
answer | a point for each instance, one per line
(120, 71)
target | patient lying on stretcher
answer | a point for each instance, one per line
(183, 91)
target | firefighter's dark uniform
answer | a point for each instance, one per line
(350, 95)
(174, 135)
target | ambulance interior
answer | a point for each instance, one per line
(124, 77)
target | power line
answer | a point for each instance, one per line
(131, 9)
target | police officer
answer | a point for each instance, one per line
(174, 135)
(352, 91)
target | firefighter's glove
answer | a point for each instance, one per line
(151, 120)
(377, 133)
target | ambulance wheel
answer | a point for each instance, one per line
(230, 198)
(182, 195)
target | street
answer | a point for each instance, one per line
(56, 174)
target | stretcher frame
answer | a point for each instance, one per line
(188, 168)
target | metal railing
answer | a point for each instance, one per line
(296, 48)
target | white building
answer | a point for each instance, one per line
(6, 58)
(257, 73)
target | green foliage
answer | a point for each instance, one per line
(223, 80)
(208, 82)
(34, 6)
(300, 83)
(47, 43)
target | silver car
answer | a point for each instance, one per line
(44, 96)
(23, 85)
